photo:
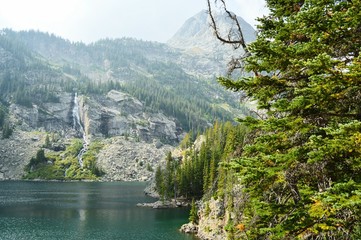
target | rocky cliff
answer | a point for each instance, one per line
(212, 220)
(219, 218)
(133, 141)
(119, 114)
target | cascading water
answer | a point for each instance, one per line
(79, 128)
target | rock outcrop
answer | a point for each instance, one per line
(217, 220)
(51, 116)
(165, 204)
(189, 228)
(211, 220)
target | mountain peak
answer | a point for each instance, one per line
(196, 32)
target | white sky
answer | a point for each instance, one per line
(91, 20)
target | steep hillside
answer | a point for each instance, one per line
(54, 91)
(47, 107)
(150, 71)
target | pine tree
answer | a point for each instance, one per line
(212, 171)
(206, 174)
(193, 216)
(302, 169)
(40, 156)
(169, 176)
(47, 141)
(159, 182)
(2, 115)
(7, 130)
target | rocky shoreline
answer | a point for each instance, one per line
(165, 204)
(189, 228)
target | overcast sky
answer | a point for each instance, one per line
(91, 20)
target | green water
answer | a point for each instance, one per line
(81, 210)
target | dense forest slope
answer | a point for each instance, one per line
(134, 90)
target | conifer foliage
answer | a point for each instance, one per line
(302, 171)
(198, 171)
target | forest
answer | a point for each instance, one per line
(197, 172)
(299, 161)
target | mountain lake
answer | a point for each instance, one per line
(84, 210)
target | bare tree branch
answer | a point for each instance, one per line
(239, 41)
(233, 37)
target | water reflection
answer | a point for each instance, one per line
(82, 215)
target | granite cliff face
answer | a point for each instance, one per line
(119, 114)
(47, 117)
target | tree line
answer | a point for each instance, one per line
(199, 170)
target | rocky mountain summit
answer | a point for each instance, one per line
(196, 38)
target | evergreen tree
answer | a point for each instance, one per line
(159, 182)
(212, 171)
(193, 216)
(40, 156)
(169, 176)
(7, 130)
(47, 141)
(2, 115)
(302, 169)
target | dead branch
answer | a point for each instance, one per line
(233, 37)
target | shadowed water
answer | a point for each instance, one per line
(81, 210)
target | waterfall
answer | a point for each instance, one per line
(76, 117)
(77, 125)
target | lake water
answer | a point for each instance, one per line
(84, 210)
